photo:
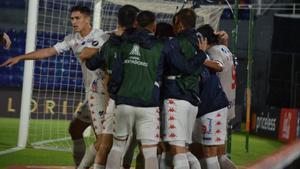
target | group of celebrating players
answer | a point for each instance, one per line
(169, 89)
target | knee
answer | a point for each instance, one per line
(177, 147)
(73, 131)
(105, 147)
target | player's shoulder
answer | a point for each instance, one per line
(99, 33)
(70, 36)
(222, 49)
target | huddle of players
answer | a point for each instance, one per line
(158, 86)
(154, 89)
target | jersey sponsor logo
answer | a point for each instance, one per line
(95, 43)
(135, 50)
(209, 130)
(82, 43)
(135, 62)
(207, 138)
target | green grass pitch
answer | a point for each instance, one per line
(259, 147)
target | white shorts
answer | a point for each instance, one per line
(108, 125)
(83, 113)
(179, 119)
(211, 128)
(96, 98)
(144, 119)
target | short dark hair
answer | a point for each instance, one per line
(187, 17)
(145, 18)
(127, 15)
(208, 32)
(82, 9)
(164, 29)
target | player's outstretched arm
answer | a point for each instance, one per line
(36, 55)
(5, 40)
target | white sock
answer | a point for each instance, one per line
(193, 161)
(150, 156)
(162, 161)
(226, 163)
(88, 158)
(78, 150)
(98, 166)
(180, 161)
(212, 163)
(115, 156)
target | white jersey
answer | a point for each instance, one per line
(76, 43)
(227, 77)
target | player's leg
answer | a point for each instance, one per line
(127, 160)
(178, 134)
(213, 134)
(224, 161)
(107, 135)
(96, 98)
(76, 130)
(124, 121)
(147, 130)
(192, 115)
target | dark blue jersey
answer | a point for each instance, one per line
(211, 93)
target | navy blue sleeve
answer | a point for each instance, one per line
(175, 57)
(116, 76)
(96, 61)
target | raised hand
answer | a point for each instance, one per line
(6, 41)
(223, 37)
(202, 43)
(10, 62)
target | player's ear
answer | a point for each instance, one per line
(135, 24)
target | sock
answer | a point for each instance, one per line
(150, 157)
(78, 150)
(139, 161)
(193, 161)
(162, 161)
(203, 163)
(88, 158)
(115, 156)
(98, 166)
(225, 162)
(212, 163)
(180, 161)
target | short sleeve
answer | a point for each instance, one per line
(63, 46)
(216, 54)
(98, 39)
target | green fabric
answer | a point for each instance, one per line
(188, 82)
(140, 71)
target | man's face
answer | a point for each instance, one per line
(79, 21)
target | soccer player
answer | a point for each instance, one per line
(138, 95)
(220, 53)
(184, 56)
(126, 20)
(84, 42)
(5, 40)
